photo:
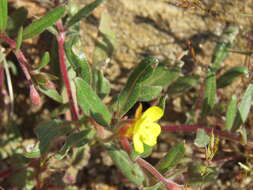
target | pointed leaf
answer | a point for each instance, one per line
(172, 158)
(228, 77)
(221, 49)
(79, 63)
(231, 113)
(131, 170)
(91, 104)
(129, 95)
(48, 131)
(3, 15)
(42, 24)
(245, 103)
(51, 93)
(84, 12)
(183, 84)
(209, 95)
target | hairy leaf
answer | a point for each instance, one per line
(231, 113)
(3, 15)
(130, 94)
(43, 23)
(84, 12)
(172, 158)
(131, 170)
(91, 104)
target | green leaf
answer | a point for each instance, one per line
(48, 131)
(131, 170)
(244, 108)
(84, 12)
(105, 47)
(19, 38)
(75, 140)
(148, 93)
(42, 24)
(228, 77)
(91, 104)
(79, 63)
(44, 61)
(163, 76)
(172, 158)
(221, 49)
(101, 85)
(183, 84)
(3, 15)
(209, 95)
(245, 103)
(130, 94)
(51, 93)
(202, 139)
(16, 20)
(231, 113)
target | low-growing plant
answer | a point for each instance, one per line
(82, 121)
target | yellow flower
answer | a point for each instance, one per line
(145, 129)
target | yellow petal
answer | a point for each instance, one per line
(153, 113)
(138, 145)
(150, 141)
(138, 112)
(150, 134)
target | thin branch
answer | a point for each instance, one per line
(35, 98)
(63, 67)
(170, 185)
(194, 128)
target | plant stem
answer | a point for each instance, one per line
(20, 57)
(63, 67)
(23, 64)
(125, 145)
(170, 185)
(194, 128)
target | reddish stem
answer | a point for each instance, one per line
(170, 185)
(194, 128)
(63, 67)
(125, 145)
(23, 63)
(20, 57)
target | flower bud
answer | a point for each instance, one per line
(34, 95)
